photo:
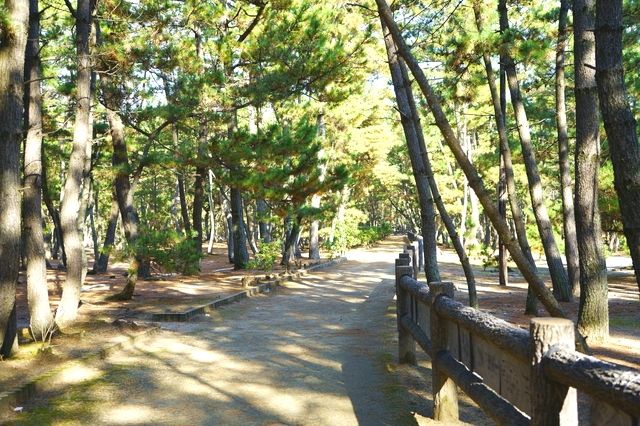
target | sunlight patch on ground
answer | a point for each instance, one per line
(78, 374)
(128, 415)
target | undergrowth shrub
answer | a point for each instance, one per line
(172, 251)
(267, 256)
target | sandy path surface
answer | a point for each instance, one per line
(318, 351)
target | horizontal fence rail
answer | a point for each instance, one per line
(516, 376)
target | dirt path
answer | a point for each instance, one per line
(319, 351)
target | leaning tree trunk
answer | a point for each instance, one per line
(70, 209)
(425, 199)
(568, 215)
(469, 170)
(40, 317)
(558, 274)
(101, 264)
(499, 110)
(444, 215)
(593, 315)
(619, 121)
(12, 50)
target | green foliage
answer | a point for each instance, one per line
(170, 250)
(351, 232)
(267, 256)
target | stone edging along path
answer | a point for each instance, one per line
(55, 379)
(261, 287)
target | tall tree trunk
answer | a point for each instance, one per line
(124, 195)
(558, 274)
(425, 199)
(184, 209)
(240, 253)
(12, 50)
(499, 101)
(503, 267)
(198, 202)
(53, 212)
(593, 313)
(469, 170)
(248, 230)
(568, 213)
(228, 223)
(291, 239)
(102, 262)
(93, 207)
(619, 121)
(40, 316)
(262, 210)
(474, 212)
(212, 215)
(314, 240)
(70, 209)
(201, 170)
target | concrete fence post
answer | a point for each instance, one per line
(406, 344)
(445, 392)
(551, 403)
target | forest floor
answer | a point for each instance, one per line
(317, 351)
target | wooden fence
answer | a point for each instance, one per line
(516, 377)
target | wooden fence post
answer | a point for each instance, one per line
(406, 344)
(445, 392)
(551, 403)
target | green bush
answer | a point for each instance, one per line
(172, 251)
(267, 257)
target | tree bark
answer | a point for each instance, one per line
(469, 170)
(240, 253)
(40, 316)
(12, 51)
(593, 313)
(70, 209)
(290, 240)
(558, 274)
(619, 121)
(499, 109)
(568, 212)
